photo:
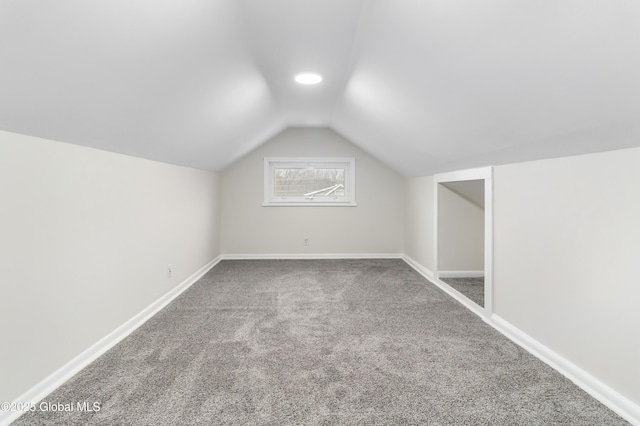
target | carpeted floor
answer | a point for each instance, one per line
(472, 288)
(365, 342)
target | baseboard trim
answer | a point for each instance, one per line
(429, 275)
(311, 256)
(58, 377)
(425, 272)
(464, 300)
(622, 406)
(461, 274)
(594, 387)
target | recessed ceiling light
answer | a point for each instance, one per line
(308, 78)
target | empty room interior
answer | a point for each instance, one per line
(320, 212)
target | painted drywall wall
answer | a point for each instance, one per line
(86, 238)
(567, 246)
(374, 226)
(419, 221)
(460, 232)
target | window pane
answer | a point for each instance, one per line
(309, 182)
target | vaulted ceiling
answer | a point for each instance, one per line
(424, 85)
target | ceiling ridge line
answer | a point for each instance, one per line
(356, 44)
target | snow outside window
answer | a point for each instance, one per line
(309, 182)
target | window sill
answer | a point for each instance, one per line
(294, 204)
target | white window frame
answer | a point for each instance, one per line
(271, 163)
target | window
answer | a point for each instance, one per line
(309, 182)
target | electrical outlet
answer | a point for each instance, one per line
(169, 270)
(306, 242)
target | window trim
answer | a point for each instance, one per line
(271, 163)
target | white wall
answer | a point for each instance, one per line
(567, 250)
(419, 217)
(374, 226)
(86, 237)
(460, 232)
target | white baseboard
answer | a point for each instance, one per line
(594, 387)
(603, 393)
(461, 274)
(58, 377)
(312, 256)
(422, 270)
(446, 287)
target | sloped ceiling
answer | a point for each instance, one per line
(425, 86)
(472, 190)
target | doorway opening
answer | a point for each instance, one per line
(463, 237)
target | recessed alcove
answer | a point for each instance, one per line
(463, 236)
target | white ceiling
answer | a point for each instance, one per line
(425, 86)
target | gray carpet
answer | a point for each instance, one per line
(365, 342)
(472, 288)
